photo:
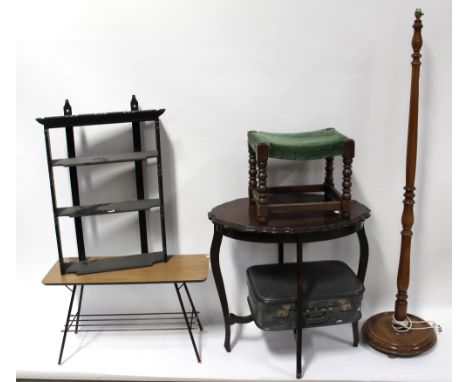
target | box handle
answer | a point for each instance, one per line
(316, 317)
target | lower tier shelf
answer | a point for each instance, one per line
(123, 322)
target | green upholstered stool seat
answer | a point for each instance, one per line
(319, 144)
(309, 145)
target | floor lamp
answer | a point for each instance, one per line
(399, 333)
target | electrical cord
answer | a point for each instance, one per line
(407, 325)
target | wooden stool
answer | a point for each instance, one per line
(320, 144)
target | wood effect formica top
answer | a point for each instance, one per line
(240, 215)
(178, 268)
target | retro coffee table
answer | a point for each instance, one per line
(178, 270)
(237, 219)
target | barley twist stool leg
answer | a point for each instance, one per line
(348, 155)
(328, 183)
(252, 173)
(262, 160)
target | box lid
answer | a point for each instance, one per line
(276, 283)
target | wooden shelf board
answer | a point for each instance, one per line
(104, 159)
(108, 208)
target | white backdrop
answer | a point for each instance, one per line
(221, 68)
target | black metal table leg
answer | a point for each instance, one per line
(67, 326)
(194, 311)
(189, 327)
(218, 277)
(77, 317)
(299, 316)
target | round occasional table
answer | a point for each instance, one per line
(237, 219)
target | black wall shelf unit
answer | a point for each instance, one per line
(82, 264)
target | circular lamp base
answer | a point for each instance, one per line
(379, 333)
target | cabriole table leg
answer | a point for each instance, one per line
(218, 277)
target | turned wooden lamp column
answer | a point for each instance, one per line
(388, 332)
